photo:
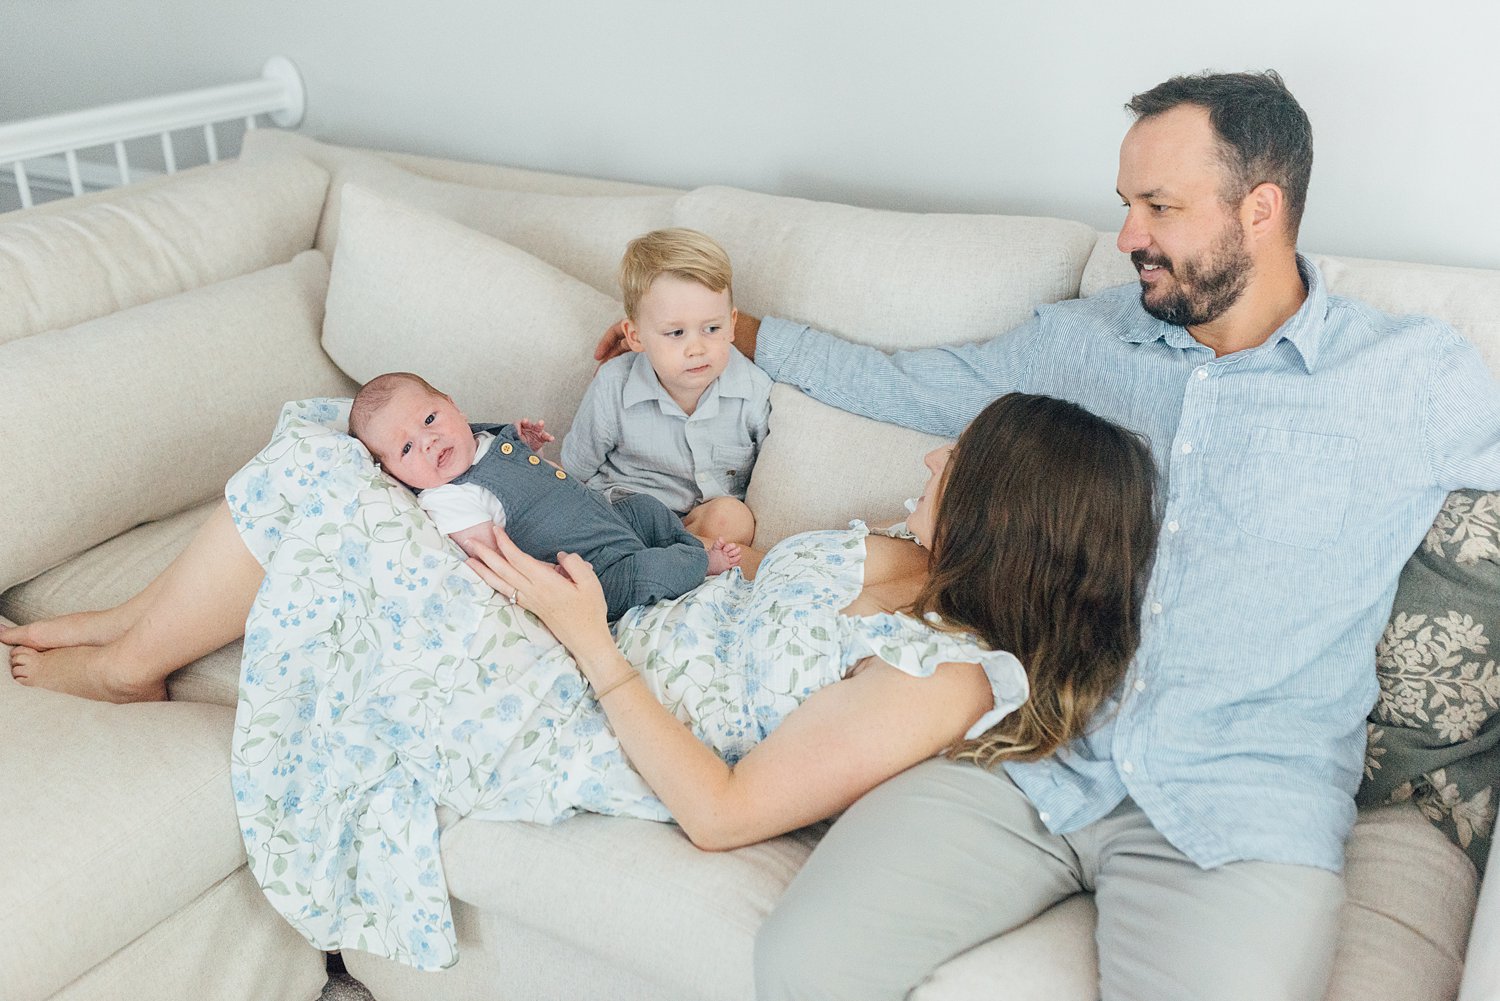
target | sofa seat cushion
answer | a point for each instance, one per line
(639, 898)
(116, 570)
(505, 334)
(78, 262)
(146, 412)
(114, 818)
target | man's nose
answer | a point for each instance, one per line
(1132, 235)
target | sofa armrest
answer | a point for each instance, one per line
(1482, 966)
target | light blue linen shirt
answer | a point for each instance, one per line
(630, 433)
(1296, 479)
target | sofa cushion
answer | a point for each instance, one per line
(505, 334)
(582, 233)
(115, 818)
(683, 921)
(114, 571)
(583, 236)
(62, 267)
(860, 468)
(146, 412)
(892, 279)
(1435, 730)
(1467, 299)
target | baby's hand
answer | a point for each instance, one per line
(533, 434)
(722, 556)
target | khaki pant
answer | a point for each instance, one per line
(948, 855)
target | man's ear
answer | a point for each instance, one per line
(1265, 210)
(632, 335)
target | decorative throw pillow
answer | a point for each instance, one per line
(1434, 732)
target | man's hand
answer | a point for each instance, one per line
(612, 344)
(533, 434)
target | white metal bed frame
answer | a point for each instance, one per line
(278, 94)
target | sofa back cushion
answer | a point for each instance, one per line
(890, 279)
(64, 266)
(143, 413)
(505, 334)
(578, 226)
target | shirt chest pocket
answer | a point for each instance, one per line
(733, 463)
(1294, 486)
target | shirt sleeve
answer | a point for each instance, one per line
(1463, 419)
(457, 506)
(595, 429)
(937, 390)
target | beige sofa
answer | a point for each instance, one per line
(147, 338)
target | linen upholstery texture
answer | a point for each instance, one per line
(216, 222)
(505, 334)
(251, 955)
(84, 822)
(583, 235)
(147, 411)
(114, 571)
(1434, 730)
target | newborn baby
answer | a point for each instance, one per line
(469, 477)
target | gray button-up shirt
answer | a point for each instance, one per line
(630, 433)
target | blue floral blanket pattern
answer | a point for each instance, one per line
(381, 679)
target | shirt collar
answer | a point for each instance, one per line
(642, 385)
(1304, 330)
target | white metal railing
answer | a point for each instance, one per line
(278, 93)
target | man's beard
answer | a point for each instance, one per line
(1202, 290)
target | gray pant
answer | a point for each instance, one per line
(947, 855)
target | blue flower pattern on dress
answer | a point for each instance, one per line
(381, 678)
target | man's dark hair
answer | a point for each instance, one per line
(1263, 133)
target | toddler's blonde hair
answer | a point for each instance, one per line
(682, 253)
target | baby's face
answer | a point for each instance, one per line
(687, 331)
(420, 438)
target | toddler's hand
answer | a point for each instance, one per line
(612, 344)
(533, 433)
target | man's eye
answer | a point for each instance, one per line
(1159, 209)
(430, 418)
(405, 448)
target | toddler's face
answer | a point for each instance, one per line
(420, 438)
(687, 331)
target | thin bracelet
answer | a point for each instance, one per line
(599, 695)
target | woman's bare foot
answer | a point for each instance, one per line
(77, 629)
(721, 556)
(88, 671)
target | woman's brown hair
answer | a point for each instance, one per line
(1043, 540)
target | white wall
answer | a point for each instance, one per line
(946, 105)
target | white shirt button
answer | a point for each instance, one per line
(1202, 374)
(1140, 685)
(1127, 767)
(1172, 526)
(1044, 817)
(1156, 608)
(1187, 448)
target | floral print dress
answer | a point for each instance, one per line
(381, 679)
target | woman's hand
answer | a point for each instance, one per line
(566, 596)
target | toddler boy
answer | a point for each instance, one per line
(470, 476)
(682, 417)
